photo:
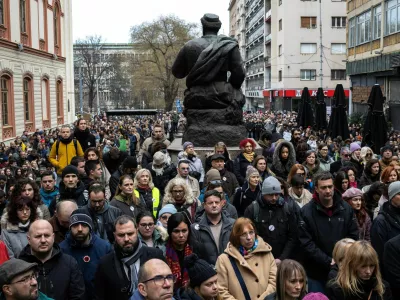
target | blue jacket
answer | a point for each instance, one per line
(48, 197)
(88, 258)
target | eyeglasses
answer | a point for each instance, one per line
(27, 279)
(144, 225)
(160, 280)
(245, 234)
(346, 155)
(215, 182)
(178, 192)
(369, 154)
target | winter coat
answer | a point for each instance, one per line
(114, 180)
(161, 181)
(335, 292)
(193, 183)
(359, 166)
(325, 163)
(337, 165)
(108, 282)
(391, 265)
(189, 206)
(160, 237)
(59, 232)
(282, 219)
(305, 197)
(59, 277)
(367, 179)
(65, 153)
(113, 164)
(385, 227)
(312, 172)
(88, 258)
(229, 182)
(244, 196)
(79, 194)
(202, 234)
(240, 165)
(14, 235)
(258, 270)
(227, 160)
(278, 167)
(195, 164)
(229, 210)
(103, 220)
(150, 141)
(319, 233)
(120, 202)
(85, 138)
(47, 197)
(105, 179)
(365, 229)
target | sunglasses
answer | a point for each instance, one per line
(215, 182)
(346, 155)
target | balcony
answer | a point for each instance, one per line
(268, 16)
(267, 85)
(268, 39)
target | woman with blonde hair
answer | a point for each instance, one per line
(338, 254)
(359, 276)
(246, 270)
(366, 155)
(146, 192)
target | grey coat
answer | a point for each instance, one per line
(201, 233)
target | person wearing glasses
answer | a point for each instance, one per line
(213, 229)
(155, 281)
(371, 174)
(117, 274)
(247, 269)
(164, 214)
(342, 162)
(151, 234)
(18, 281)
(366, 154)
(183, 173)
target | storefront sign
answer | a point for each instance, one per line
(297, 93)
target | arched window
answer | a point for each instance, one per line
(43, 40)
(24, 21)
(59, 102)
(57, 28)
(45, 103)
(29, 110)
(7, 106)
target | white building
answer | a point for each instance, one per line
(36, 65)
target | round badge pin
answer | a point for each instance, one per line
(131, 208)
(271, 227)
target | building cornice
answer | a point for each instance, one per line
(231, 4)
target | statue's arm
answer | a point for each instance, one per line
(179, 67)
(236, 67)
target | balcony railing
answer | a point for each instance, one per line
(268, 15)
(268, 38)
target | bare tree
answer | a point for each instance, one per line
(161, 41)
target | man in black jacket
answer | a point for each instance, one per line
(326, 220)
(274, 219)
(83, 135)
(113, 159)
(111, 279)
(229, 181)
(391, 265)
(59, 275)
(344, 161)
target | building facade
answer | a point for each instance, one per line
(36, 65)
(284, 52)
(373, 42)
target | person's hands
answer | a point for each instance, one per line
(332, 262)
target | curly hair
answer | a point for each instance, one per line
(169, 199)
(386, 174)
(243, 143)
(19, 187)
(19, 203)
(95, 150)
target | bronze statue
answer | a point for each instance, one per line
(214, 74)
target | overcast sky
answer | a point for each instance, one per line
(113, 19)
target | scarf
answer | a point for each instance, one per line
(25, 226)
(67, 140)
(182, 278)
(245, 252)
(248, 156)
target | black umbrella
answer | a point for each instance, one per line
(375, 126)
(338, 120)
(305, 116)
(320, 111)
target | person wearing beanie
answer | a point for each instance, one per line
(270, 208)
(228, 179)
(87, 248)
(64, 150)
(162, 171)
(248, 192)
(212, 178)
(203, 280)
(315, 296)
(71, 188)
(196, 169)
(355, 159)
(128, 167)
(386, 156)
(164, 214)
(386, 225)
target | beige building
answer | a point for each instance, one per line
(374, 53)
(36, 65)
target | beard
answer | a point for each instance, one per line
(127, 250)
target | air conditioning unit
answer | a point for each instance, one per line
(20, 47)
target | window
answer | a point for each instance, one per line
(280, 24)
(377, 22)
(24, 21)
(364, 28)
(307, 74)
(22, 15)
(27, 99)
(352, 32)
(308, 22)
(280, 50)
(5, 89)
(2, 12)
(339, 22)
(280, 75)
(337, 48)
(59, 99)
(307, 48)
(392, 16)
(57, 28)
(45, 99)
(338, 74)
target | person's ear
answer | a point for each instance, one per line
(7, 290)
(142, 289)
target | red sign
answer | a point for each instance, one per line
(297, 93)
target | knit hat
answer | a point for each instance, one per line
(158, 158)
(394, 189)
(354, 146)
(270, 186)
(387, 147)
(199, 270)
(12, 268)
(212, 175)
(315, 296)
(186, 144)
(70, 169)
(251, 171)
(351, 193)
(130, 162)
(169, 208)
(80, 218)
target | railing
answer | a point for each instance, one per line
(268, 15)
(268, 38)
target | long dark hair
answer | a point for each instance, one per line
(21, 183)
(174, 222)
(340, 176)
(18, 203)
(368, 167)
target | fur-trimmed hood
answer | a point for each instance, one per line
(160, 233)
(5, 224)
(277, 165)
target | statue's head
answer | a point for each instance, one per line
(211, 23)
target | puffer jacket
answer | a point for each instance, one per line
(325, 163)
(160, 237)
(161, 181)
(14, 235)
(65, 153)
(258, 270)
(195, 164)
(279, 167)
(202, 234)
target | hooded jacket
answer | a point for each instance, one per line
(160, 237)
(88, 257)
(278, 167)
(195, 164)
(59, 276)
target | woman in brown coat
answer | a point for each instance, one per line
(254, 260)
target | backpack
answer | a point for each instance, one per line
(75, 145)
(256, 210)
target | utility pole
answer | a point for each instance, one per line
(80, 89)
(321, 75)
(97, 97)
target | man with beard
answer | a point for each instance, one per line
(87, 248)
(64, 150)
(228, 179)
(117, 274)
(48, 191)
(343, 162)
(60, 220)
(59, 276)
(82, 134)
(128, 167)
(156, 136)
(162, 171)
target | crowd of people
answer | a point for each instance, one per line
(102, 210)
